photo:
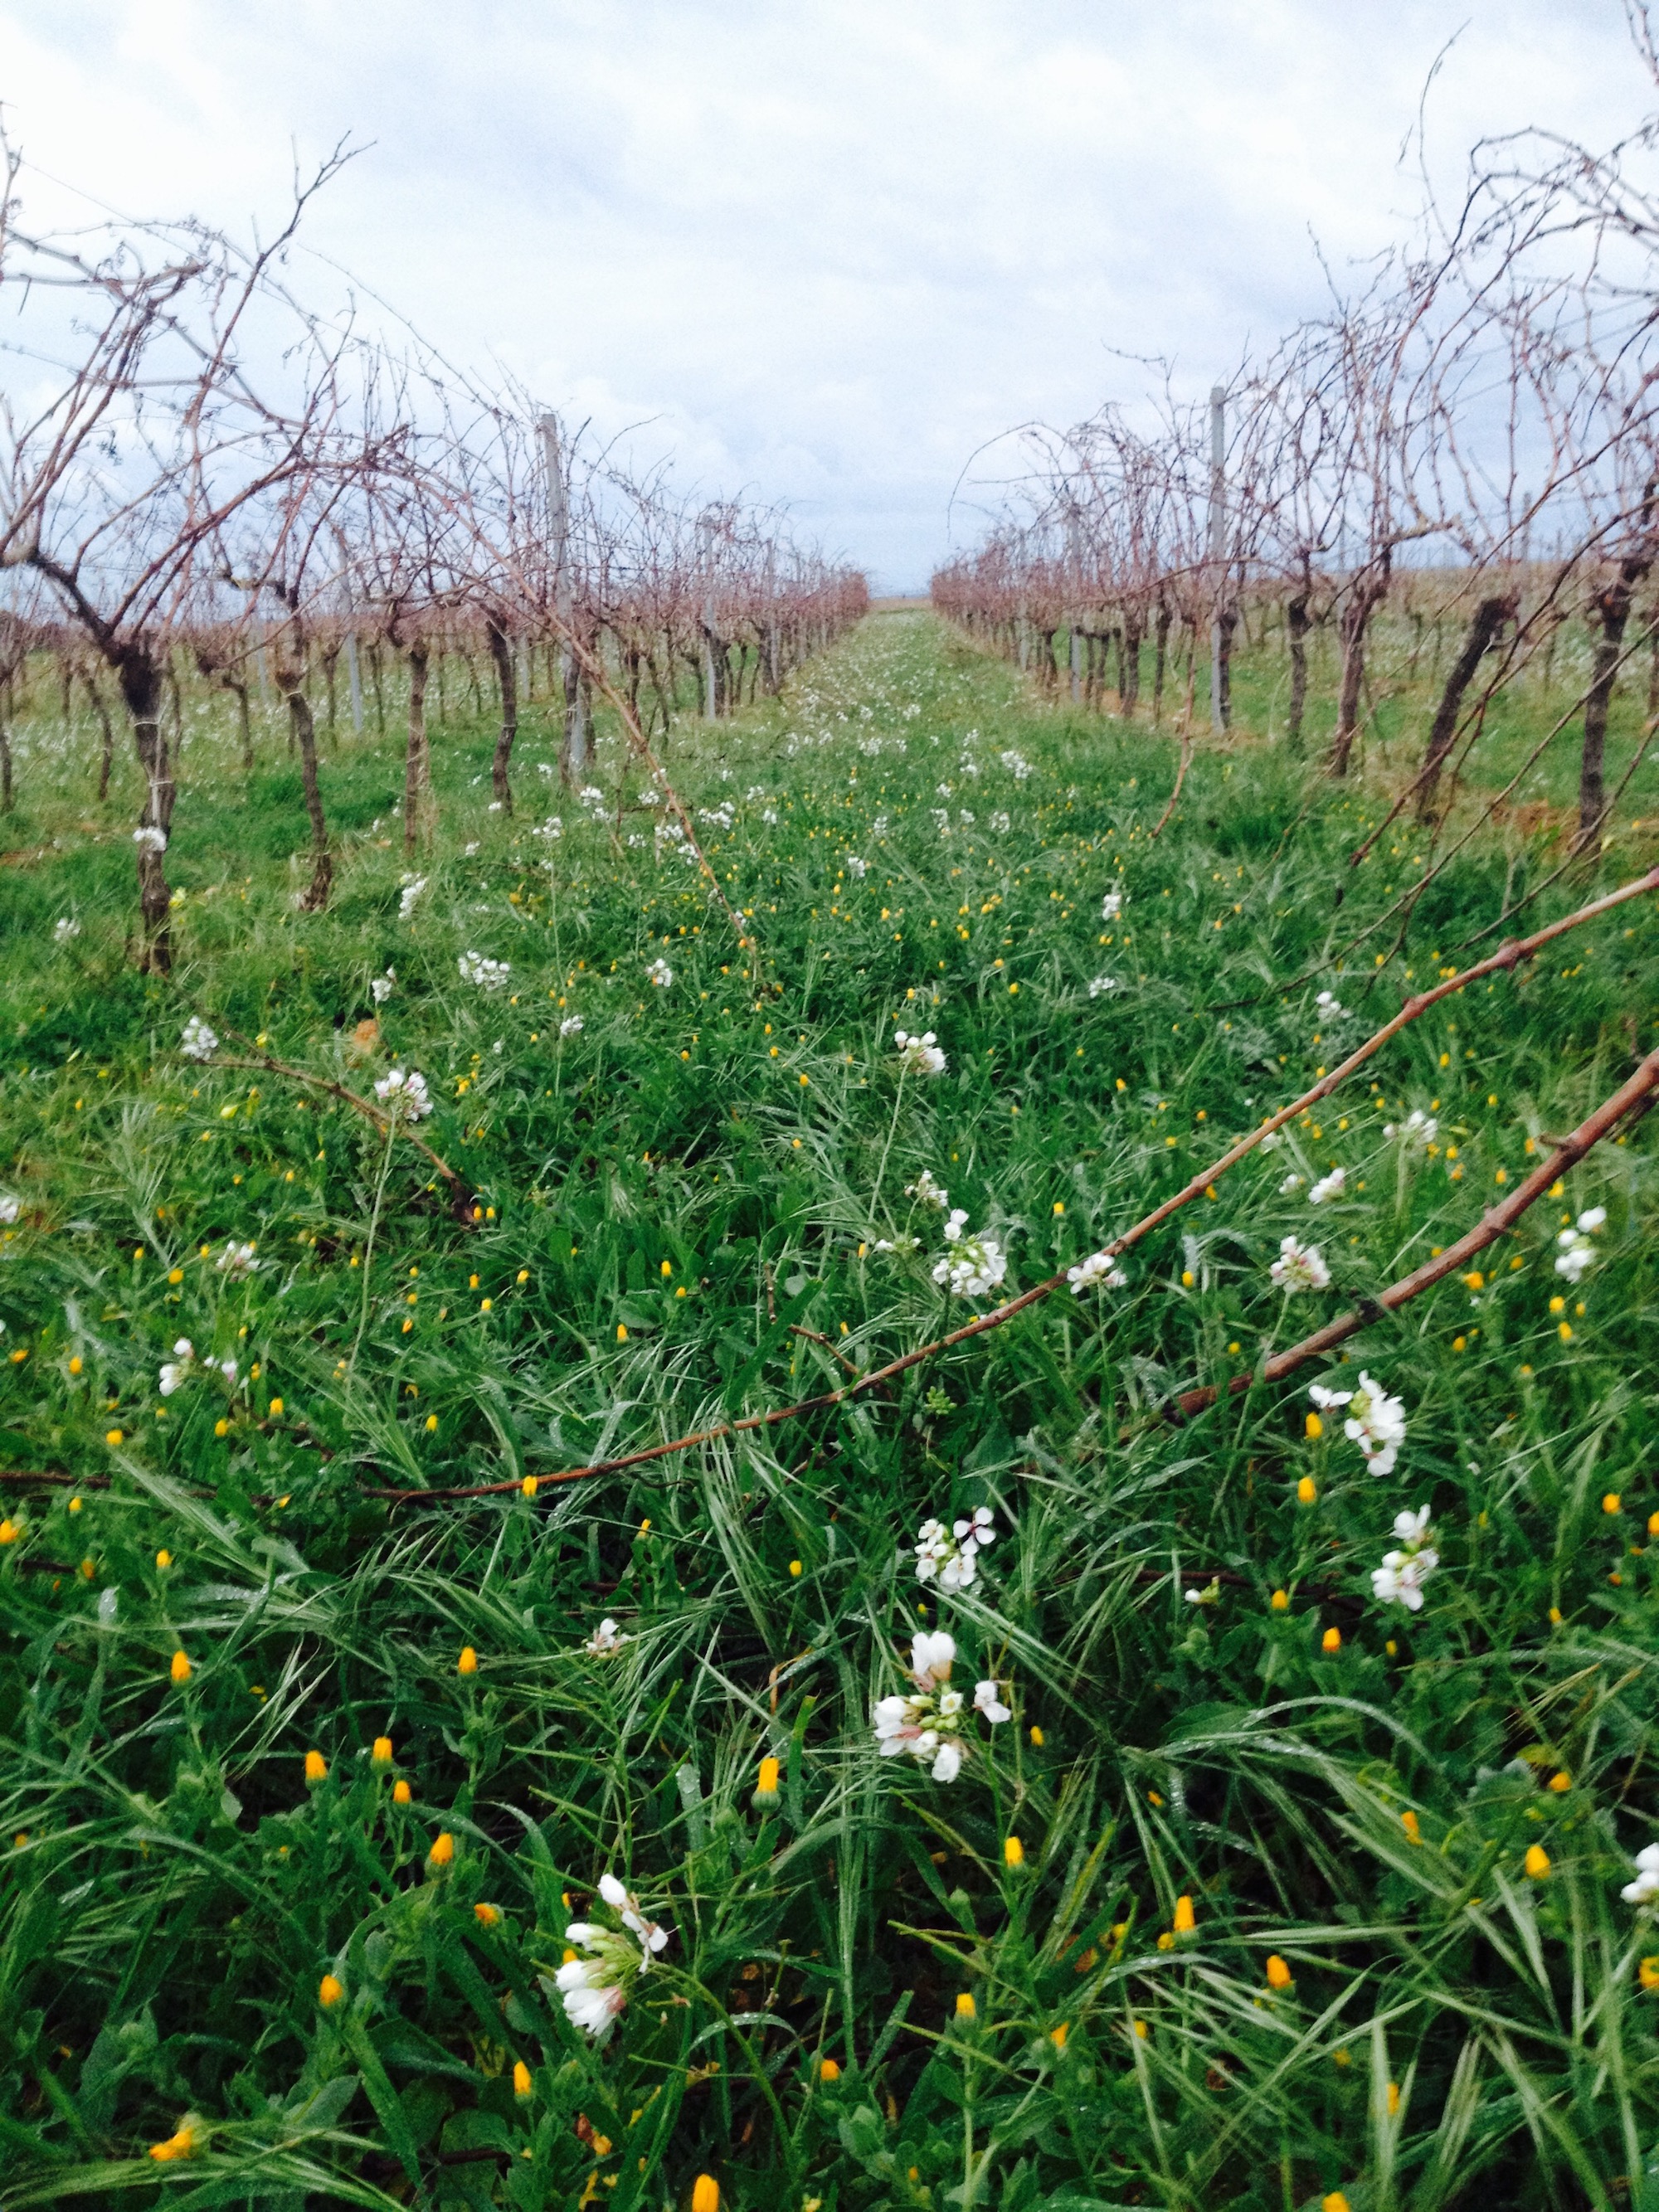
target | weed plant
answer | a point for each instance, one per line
(1267, 1889)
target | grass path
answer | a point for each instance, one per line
(1265, 1888)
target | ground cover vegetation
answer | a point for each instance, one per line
(1269, 1828)
(798, 1411)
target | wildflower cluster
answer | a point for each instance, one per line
(1399, 1579)
(973, 1264)
(595, 1990)
(921, 1055)
(1299, 1267)
(1375, 1421)
(405, 1092)
(1577, 1254)
(927, 1721)
(177, 1370)
(1417, 1128)
(1645, 1888)
(484, 975)
(1097, 1273)
(946, 1555)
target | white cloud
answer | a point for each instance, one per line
(826, 249)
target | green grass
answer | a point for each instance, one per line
(1409, 650)
(668, 1201)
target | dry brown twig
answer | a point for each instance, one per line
(1493, 1223)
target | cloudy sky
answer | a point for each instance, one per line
(819, 251)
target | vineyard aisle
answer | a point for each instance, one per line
(520, 1688)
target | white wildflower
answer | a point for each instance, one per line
(1292, 1182)
(1577, 1258)
(572, 1026)
(1299, 1267)
(413, 886)
(1417, 1128)
(857, 868)
(998, 820)
(1015, 764)
(921, 1055)
(381, 987)
(551, 829)
(10, 1207)
(1327, 1007)
(1399, 1579)
(595, 1988)
(1645, 1888)
(606, 1638)
(1577, 1254)
(236, 1261)
(65, 929)
(974, 1265)
(926, 1192)
(659, 974)
(947, 1556)
(1099, 985)
(928, 1722)
(1096, 1273)
(485, 974)
(175, 1370)
(1111, 906)
(406, 1094)
(1328, 1187)
(987, 1699)
(1375, 1421)
(933, 1654)
(199, 1041)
